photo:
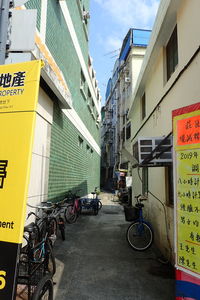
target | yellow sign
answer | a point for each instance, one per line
(186, 128)
(188, 209)
(19, 86)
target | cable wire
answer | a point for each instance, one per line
(165, 214)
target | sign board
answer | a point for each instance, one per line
(19, 86)
(23, 24)
(186, 129)
(187, 286)
(19, 2)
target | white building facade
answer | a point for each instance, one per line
(169, 79)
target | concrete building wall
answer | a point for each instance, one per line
(162, 97)
(38, 187)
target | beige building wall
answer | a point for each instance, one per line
(133, 66)
(162, 97)
(38, 186)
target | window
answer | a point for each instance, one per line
(88, 148)
(89, 94)
(80, 142)
(83, 85)
(143, 106)
(82, 79)
(172, 53)
(123, 135)
(128, 130)
(144, 181)
(169, 185)
(124, 119)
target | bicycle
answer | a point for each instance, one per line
(36, 265)
(140, 233)
(73, 208)
(52, 218)
(92, 203)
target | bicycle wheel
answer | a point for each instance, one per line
(61, 225)
(139, 236)
(52, 227)
(70, 214)
(50, 260)
(44, 289)
(96, 208)
(62, 232)
(100, 204)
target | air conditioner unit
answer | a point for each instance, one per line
(127, 79)
(86, 15)
(153, 150)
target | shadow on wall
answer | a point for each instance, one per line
(80, 190)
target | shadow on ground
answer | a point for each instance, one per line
(96, 263)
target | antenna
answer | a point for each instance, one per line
(111, 52)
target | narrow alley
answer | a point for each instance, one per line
(96, 263)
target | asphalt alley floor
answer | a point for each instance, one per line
(96, 263)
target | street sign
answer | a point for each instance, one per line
(19, 87)
(23, 24)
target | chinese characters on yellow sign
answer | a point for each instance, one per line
(19, 87)
(188, 209)
(187, 156)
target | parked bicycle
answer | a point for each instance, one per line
(140, 233)
(36, 266)
(73, 208)
(93, 203)
(50, 220)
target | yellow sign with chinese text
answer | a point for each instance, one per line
(186, 129)
(188, 209)
(19, 86)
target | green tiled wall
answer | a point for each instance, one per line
(66, 57)
(71, 166)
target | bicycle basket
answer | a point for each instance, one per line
(131, 213)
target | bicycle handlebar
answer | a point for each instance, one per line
(141, 197)
(41, 207)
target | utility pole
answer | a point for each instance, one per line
(4, 19)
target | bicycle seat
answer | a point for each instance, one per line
(29, 228)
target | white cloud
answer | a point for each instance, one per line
(131, 13)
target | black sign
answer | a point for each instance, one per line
(8, 270)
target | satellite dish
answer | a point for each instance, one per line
(19, 2)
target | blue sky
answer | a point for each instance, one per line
(110, 21)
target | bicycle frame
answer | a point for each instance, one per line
(140, 218)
